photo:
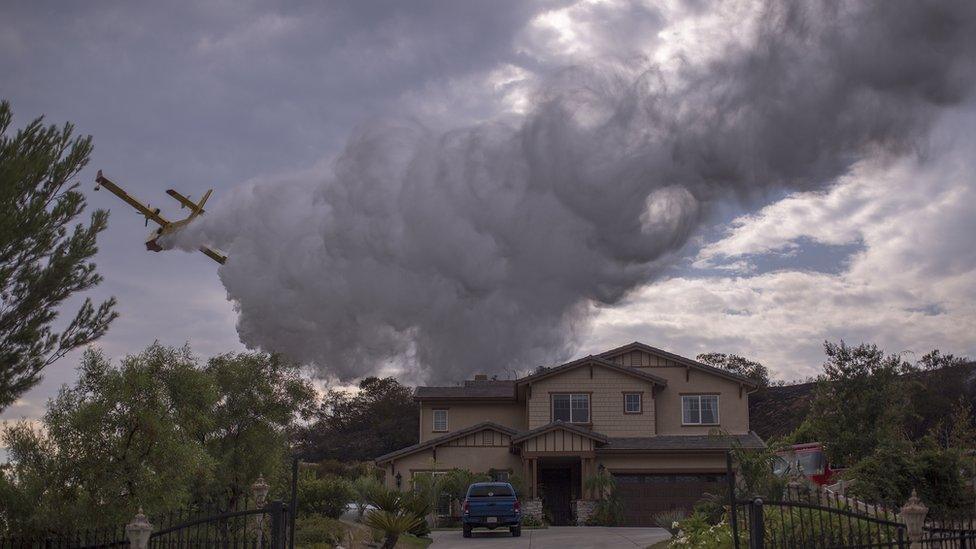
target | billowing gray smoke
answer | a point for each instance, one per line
(480, 248)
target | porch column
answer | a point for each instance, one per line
(535, 477)
(585, 474)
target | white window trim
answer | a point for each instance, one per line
(718, 419)
(640, 403)
(433, 420)
(589, 407)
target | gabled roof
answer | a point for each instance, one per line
(682, 443)
(436, 441)
(638, 346)
(556, 370)
(561, 425)
(489, 390)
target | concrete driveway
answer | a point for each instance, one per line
(554, 537)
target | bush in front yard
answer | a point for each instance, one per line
(327, 496)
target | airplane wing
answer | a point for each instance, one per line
(185, 201)
(214, 254)
(146, 211)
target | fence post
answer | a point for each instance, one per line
(733, 517)
(138, 531)
(293, 503)
(277, 524)
(913, 515)
(756, 527)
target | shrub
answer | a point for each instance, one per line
(669, 519)
(316, 531)
(327, 496)
(608, 509)
(531, 521)
(696, 532)
(363, 487)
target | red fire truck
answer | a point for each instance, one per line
(809, 458)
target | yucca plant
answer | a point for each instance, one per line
(669, 519)
(392, 523)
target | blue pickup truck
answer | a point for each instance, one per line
(492, 505)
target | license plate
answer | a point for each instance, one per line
(491, 519)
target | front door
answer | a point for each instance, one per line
(556, 488)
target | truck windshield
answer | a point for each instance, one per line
(811, 462)
(490, 491)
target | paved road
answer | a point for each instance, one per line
(555, 537)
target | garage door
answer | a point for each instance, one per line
(644, 495)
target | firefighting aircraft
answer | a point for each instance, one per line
(165, 226)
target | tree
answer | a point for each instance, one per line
(859, 402)
(379, 418)
(122, 437)
(43, 261)
(158, 431)
(737, 365)
(258, 398)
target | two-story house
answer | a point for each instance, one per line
(660, 423)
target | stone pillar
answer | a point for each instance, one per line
(584, 509)
(138, 531)
(913, 515)
(532, 508)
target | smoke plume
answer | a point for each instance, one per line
(480, 249)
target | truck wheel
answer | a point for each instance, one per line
(466, 531)
(516, 531)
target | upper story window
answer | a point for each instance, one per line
(440, 420)
(633, 403)
(699, 410)
(571, 408)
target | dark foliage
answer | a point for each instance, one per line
(380, 418)
(44, 260)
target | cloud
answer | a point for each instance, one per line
(911, 287)
(482, 247)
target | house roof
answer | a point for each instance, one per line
(679, 443)
(446, 438)
(591, 359)
(488, 390)
(560, 424)
(638, 346)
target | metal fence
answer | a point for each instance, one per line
(808, 516)
(266, 527)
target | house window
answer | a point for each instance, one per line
(699, 410)
(571, 408)
(500, 475)
(440, 420)
(632, 403)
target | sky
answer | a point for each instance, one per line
(287, 110)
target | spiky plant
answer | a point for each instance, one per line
(392, 523)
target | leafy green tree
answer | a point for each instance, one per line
(122, 437)
(379, 418)
(43, 259)
(859, 402)
(258, 399)
(158, 431)
(737, 365)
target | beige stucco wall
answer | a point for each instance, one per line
(466, 414)
(476, 459)
(733, 409)
(606, 402)
(664, 462)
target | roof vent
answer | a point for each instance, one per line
(481, 377)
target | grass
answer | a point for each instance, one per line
(408, 541)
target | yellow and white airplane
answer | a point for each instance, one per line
(165, 226)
